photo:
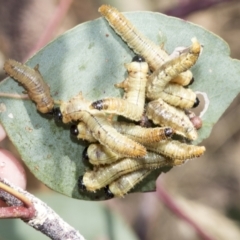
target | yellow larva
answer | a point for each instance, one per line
(125, 183)
(100, 155)
(32, 81)
(172, 68)
(135, 132)
(175, 149)
(178, 96)
(77, 109)
(165, 115)
(141, 134)
(155, 56)
(102, 176)
(132, 104)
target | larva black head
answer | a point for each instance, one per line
(85, 154)
(74, 130)
(168, 132)
(81, 185)
(138, 58)
(97, 104)
(57, 114)
(196, 103)
(108, 193)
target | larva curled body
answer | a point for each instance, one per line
(101, 155)
(175, 149)
(33, 82)
(121, 186)
(165, 115)
(132, 104)
(102, 176)
(172, 68)
(137, 133)
(77, 109)
(155, 56)
(178, 96)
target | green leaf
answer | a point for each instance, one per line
(90, 58)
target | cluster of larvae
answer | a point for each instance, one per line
(155, 105)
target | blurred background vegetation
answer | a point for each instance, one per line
(208, 188)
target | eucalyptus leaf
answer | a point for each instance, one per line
(90, 58)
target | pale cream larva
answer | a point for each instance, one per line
(131, 105)
(165, 115)
(171, 69)
(154, 55)
(104, 175)
(77, 109)
(175, 149)
(178, 96)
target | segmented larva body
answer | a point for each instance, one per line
(172, 68)
(175, 149)
(132, 104)
(132, 131)
(121, 186)
(178, 96)
(101, 155)
(141, 134)
(165, 115)
(155, 56)
(104, 175)
(33, 82)
(77, 109)
(104, 132)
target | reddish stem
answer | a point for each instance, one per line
(17, 212)
(172, 205)
(57, 17)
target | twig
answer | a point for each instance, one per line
(45, 219)
(172, 205)
(13, 95)
(58, 16)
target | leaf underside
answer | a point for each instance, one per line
(90, 58)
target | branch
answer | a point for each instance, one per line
(44, 219)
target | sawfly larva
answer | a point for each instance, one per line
(101, 155)
(132, 104)
(178, 96)
(165, 115)
(121, 186)
(135, 132)
(77, 109)
(171, 69)
(104, 175)
(155, 56)
(175, 149)
(33, 82)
